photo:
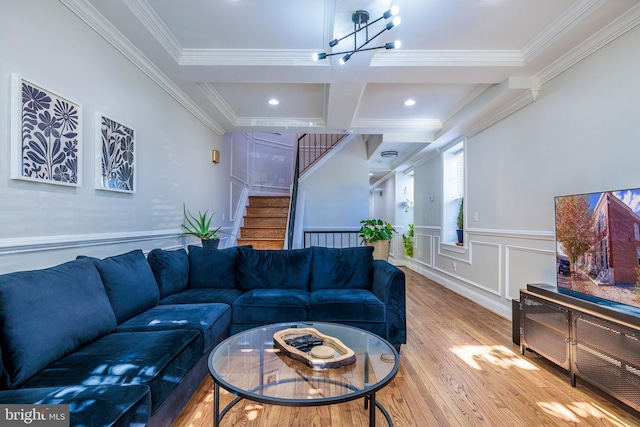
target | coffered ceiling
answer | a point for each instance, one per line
(465, 63)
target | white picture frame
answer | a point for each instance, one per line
(115, 163)
(46, 135)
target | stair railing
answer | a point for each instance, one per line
(293, 202)
(311, 148)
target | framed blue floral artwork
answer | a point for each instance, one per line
(46, 135)
(115, 156)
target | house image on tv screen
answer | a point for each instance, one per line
(616, 251)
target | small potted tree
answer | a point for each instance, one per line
(200, 226)
(460, 223)
(377, 233)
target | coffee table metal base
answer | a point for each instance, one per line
(217, 415)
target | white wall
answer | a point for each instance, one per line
(44, 224)
(261, 164)
(580, 135)
(336, 192)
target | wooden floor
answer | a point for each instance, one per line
(458, 368)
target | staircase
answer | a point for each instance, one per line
(265, 224)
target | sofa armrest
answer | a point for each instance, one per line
(389, 286)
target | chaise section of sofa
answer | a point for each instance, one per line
(47, 315)
(97, 327)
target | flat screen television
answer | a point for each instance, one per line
(598, 247)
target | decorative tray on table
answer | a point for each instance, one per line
(313, 348)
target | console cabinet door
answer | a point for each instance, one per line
(545, 329)
(607, 355)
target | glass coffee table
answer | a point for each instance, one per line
(249, 366)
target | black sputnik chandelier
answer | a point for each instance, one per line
(361, 22)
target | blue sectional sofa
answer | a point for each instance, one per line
(124, 340)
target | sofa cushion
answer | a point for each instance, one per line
(211, 320)
(203, 295)
(171, 270)
(212, 268)
(345, 268)
(264, 306)
(159, 359)
(105, 405)
(129, 282)
(47, 314)
(275, 269)
(336, 305)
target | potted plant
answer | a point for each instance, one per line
(408, 241)
(377, 233)
(200, 226)
(460, 223)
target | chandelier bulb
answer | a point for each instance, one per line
(391, 12)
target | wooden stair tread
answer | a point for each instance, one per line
(269, 201)
(263, 232)
(265, 222)
(262, 243)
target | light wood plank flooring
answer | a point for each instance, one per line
(458, 368)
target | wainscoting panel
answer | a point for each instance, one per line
(240, 157)
(272, 165)
(527, 265)
(423, 252)
(480, 268)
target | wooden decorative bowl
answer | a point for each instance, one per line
(342, 356)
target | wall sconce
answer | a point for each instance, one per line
(215, 156)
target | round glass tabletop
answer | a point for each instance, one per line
(249, 365)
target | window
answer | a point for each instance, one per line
(636, 231)
(453, 168)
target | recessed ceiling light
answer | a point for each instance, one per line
(274, 101)
(409, 102)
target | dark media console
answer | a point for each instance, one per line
(595, 340)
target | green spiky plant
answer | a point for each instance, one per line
(199, 226)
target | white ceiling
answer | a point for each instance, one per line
(466, 63)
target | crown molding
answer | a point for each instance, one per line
(283, 122)
(606, 35)
(250, 57)
(218, 101)
(89, 15)
(155, 25)
(422, 124)
(506, 109)
(449, 58)
(560, 26)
